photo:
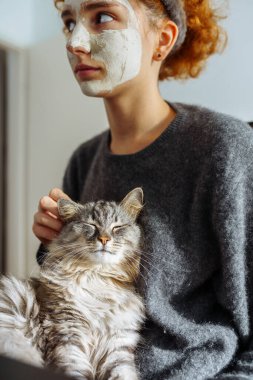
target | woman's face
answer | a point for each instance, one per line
(105, 42)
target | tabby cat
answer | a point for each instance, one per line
(82, 315)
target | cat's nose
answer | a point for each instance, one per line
(104, 239)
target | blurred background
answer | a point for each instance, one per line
(44, 116)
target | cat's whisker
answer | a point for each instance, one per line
(34, 269)
(143, 257)
(69, 244)
(71, 250)
(140, 253)
(78, 250)
(67, 248)
(130, 258)
(140, 259)
(146, 268)
(78, 256)
(54, 266)
(143, 277)
(50, 268)
(141, 274)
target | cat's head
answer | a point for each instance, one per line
(100, 235)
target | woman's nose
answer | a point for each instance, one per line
(79, 42)
(77, 49)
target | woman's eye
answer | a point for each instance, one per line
(70, 25)
(103, 18)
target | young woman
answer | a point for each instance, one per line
(195, 167)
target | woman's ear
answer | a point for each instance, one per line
(167, 36)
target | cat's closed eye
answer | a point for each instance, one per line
(85, 227)
(116, 229)
(91, 226)
(78, 228)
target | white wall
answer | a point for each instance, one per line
(16, 21)
(24, 23)
(46, 22)
(16, 218)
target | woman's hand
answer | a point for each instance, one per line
(47, 224)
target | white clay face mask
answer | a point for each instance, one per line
(119, 50)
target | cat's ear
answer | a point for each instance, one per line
(133, 202)
(67, 209)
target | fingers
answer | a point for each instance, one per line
(47, 224)
(43, 219)
(48, 203)
(45, 227)
(44, 234)
(56, 194)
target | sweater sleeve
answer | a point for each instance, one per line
(232, 219)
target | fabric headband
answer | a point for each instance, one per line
(177, 14)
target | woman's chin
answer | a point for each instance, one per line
(102, 89)
(95, 89)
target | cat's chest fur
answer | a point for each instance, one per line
(92, 304)
(106, 307)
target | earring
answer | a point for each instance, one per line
(158, 55)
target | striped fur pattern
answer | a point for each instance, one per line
(83, 315)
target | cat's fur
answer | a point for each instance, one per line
(83, 314)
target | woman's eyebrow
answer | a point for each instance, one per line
(99, 4)
(92, 5)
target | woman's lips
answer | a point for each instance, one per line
(85, 71)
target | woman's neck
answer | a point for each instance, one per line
(136, 120)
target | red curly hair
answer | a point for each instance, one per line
(204, 37)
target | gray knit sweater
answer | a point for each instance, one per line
(197, 272)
